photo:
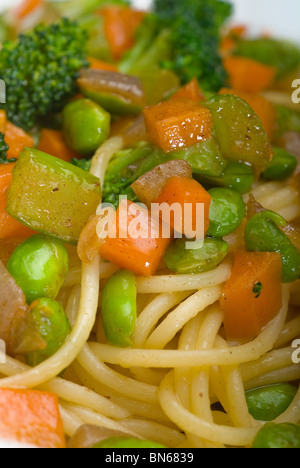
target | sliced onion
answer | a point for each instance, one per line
(13, 308)
(149, 186)
(88, 435)
(89, 243)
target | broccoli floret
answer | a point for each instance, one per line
(184, 37)
(40, 70)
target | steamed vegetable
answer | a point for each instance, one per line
(42, 332)
(118, 308)
(239, 131)
(117, 93)
(193, 201)
(140, 253)
(48, 59)
(9, 227)
(263, 234)
(281, 167)
(183, 37)
(149, 186)
(31, 417)
(182, 260)
(128, 443)
(237, 176)
(226, 211)
(53, 142)
(86, 125)
(177, 124)
(267, 403)
(277, 436)
(252, 296)
(245, 74)
(52, 196)
(40, 266)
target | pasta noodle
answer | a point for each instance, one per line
(164, 387)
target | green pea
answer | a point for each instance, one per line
(282, 166)
(263, 234)
(267, 403)
(46, 319)
(39, 265)
(126, 442)
(118, 304)
(226, 211)
(182, 260)
(86, 126)
(274, 436)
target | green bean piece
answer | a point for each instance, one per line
(118, 305)
(276, 436)
(236, 175)
(181, 259)
(281, 167)
(226, 212)
(86, 125)
(127, 442)
(263, 234)
(47, 320)
(205, 158)
(267, 403)
(240, 134)
(39, 265)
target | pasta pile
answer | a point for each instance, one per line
(181, 384)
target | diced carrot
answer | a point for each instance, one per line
(252, 296)
(27, 7)
(265, 110)
(184, 191)
(190, 91)
(248, 75)
(17, 139)
(31, 417)
(120, 25)
(3, 121)
(140, 253)
(177, 123)
(9, 227)
(101, 65)
(52, 142)
(229, 40)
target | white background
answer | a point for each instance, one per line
(279, 17)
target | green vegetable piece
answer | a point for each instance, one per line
(47, 319)
(281, 54)
(277, 436)
(204, 158)
(263, 234)
(237, 176)
(127, 443)
(282, 166)
(267, 403)
(117, 93)
(240, 134)
(40, 266)
(182, 260)
(226, 211)
(86, 126)
(118, 304)
(52, 196)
